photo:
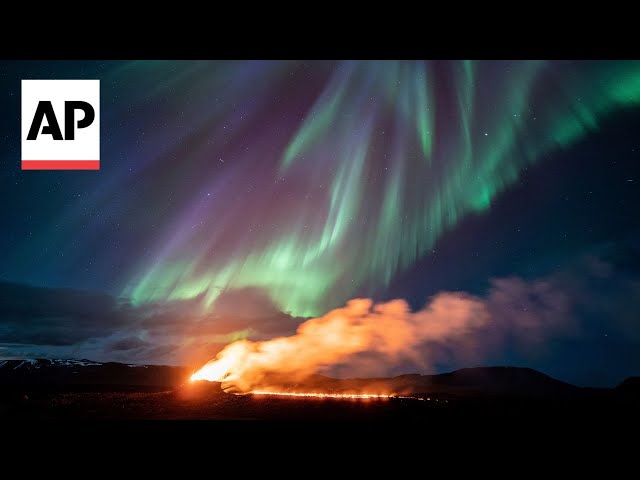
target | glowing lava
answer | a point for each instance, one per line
(340, 396)
(219, 369)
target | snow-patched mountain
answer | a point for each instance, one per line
(65, 372)
(36, 363)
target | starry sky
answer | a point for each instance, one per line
(237, 198)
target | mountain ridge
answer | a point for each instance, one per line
(483, 381)
(41, 372)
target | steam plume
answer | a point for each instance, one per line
(369, 337)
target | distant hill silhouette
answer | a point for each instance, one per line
(491, 381)
(70, 390)
(41, 372)
(630, 386)
(85, 375)
(512, 381)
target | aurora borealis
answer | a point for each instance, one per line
(312, 182)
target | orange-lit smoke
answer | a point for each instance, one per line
(357, 333)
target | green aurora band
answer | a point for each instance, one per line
(389, 155)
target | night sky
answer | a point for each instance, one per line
(237, 198)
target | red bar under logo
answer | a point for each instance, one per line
(60, 164)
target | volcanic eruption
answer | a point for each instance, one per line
(364, 337)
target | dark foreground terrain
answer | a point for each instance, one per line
(83, 390)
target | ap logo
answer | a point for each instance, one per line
(60, 124)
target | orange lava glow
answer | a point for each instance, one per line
(216, 371)
(340, 396)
